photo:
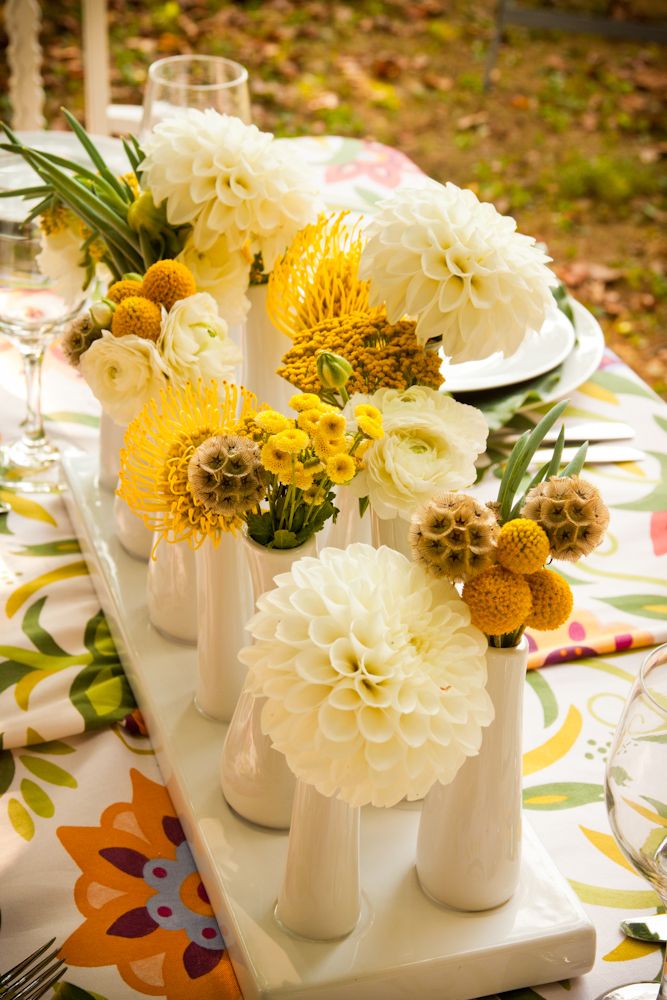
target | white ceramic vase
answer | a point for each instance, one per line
(110, 443)
(224, 605)
(469, 842)
(131, 532)
(320, 897)
(171, 591)
(349, 527)
(263, 349)
(392, 532)
(255, 778)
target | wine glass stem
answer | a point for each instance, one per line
(662, 993)
(33, 433)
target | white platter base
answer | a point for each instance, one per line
(405, 946)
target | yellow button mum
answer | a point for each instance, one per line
(499, 600)
(168, 281)
(308, 420)
(138, 316)
(123, 289)
(552, 600)
(305, 401)
(276, 460)
(332, 425)
(366, 410)
(371, 427)
(341, 468)
(292, 440)
(272, 422)
(523, 546)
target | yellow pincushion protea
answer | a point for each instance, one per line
(159, 444)
(552, 600)
(138, 316)
(522, 546)
(168, 281)
(318, 277)
(499, 600)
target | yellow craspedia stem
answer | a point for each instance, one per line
(121, 290)
(138, 316)
(499, 600)
(551, 598)
(522, 546)
(168, 281)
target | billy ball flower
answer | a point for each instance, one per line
(373, 675)
(551, 600)
(522, 546)
(499, 600)
(226, 476)
(123, 289)
(139, 316)
(571, 512)
(167, 281)
(454, 536)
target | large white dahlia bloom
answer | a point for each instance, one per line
(373, 675)
(459, 268)
(430, 445)
(222, 176)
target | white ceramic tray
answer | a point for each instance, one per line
(405, 946)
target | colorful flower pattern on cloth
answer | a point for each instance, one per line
(145, 907)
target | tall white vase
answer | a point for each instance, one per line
(320, 897)
(469, 843)
(392, 532)
(131, 532)
(110, 443)
(263, 349)
(224, 603)
(349, 527)
(255, 778)
(171, 591)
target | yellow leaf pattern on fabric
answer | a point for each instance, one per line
(622, 899)
(27, 508)
(648, 814)
(21, 595)
(608, 846)
(20, 819)
(629, 949)
(598, 392)
(557, 746)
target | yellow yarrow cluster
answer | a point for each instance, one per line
(382, 354)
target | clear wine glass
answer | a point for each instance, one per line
(181, 82)
(636, 792)
(32, 314)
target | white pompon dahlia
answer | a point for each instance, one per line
(459, 268)
(222, 176)
(430, 445)
(374, 676)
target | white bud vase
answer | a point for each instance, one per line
(110, 442)
(469, 843)
(171, 591)
(320, 897)
(255, 778)
(392, 532)
(349, 527)
(263, 349)
(224, 605)
(131, 532)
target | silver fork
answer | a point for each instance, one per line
(34, 976)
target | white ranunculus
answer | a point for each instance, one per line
(430, 445)
(59, 259)
(374, 677)
(222, 176)
(123, 373)
(195, 342)
(459, 268)
(223, 273)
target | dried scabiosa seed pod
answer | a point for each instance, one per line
(571, 512)
(454, 536)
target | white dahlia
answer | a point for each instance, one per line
(222, 176)
(374, 676)
(430, 445)
(223, 273)
(459, 268)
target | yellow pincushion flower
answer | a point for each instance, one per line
(168, 281)
(366, 410)
(332, 425)
(370, 427)
(275, 459)
(522, 546)
(305, 401)
(499, 600)
(272, 422)
(341, 468)
(123, 289)
(552, 600)
(312, 495)
(139, 316)
(292, 440)
(308, 420)
(159, 444)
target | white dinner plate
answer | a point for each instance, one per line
(584, 359)
(540, 352)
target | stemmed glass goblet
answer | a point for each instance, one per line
(180, 82)
(636, 792)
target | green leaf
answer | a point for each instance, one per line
(62, 547)
(644, 605)
(93, 153)
(623, 386)
(500, 405)
(98, 640)
(68, 991)
(12, 672)
(660, 807)
(47, 771)
(622, 899)
(47, 746)
(283, 539)
(20, 819)
(101, 694)
(562, 795)
(577, 463)
(657, 499)
(71, 417)
(40, 638)
(660, 421)
(545, 694)
(7, 770)
(37, 799)
(260, 527)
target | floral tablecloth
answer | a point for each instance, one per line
(91, 849)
